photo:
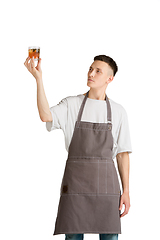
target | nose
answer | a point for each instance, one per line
(91, 73)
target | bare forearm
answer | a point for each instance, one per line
(123, 167)
(42, 103)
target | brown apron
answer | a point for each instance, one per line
(90, 190)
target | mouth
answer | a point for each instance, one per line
(90, 80)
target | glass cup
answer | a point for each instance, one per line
(34, 52)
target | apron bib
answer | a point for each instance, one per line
(90, 190)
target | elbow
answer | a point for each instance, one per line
(43, 119)
(122, 154)
(46, 119)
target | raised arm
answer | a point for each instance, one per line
(42, 103)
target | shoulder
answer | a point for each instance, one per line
(116, 105)
(118, 109)
(70, 102)
(73, 99)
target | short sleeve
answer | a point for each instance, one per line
(59, 114)
(124, 141)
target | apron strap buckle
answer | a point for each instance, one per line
(109, 125)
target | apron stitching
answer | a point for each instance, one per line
(99, 124)
(109, 159)
(113, 181)
(94, 123)
(90, 194)
(88, 162)
(106, 178)
(98, 177)
(105, 130)
(110, 232)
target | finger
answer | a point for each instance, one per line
(39, 64)
(26, 62)
(39, 61)
(32, 63)
(123, 214)
(121, 204)
(127, 206)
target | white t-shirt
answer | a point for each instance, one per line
(65, 114)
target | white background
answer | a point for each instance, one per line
(32, 161)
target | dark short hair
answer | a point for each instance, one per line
(108, 60)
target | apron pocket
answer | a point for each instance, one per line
(80, 178)
(113, 186)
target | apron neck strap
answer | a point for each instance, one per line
(109, 119)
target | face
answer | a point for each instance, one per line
(100, 75)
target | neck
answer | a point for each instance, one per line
(96, 94)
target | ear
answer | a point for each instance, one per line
(110, 79)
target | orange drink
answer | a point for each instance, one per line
(34, 52)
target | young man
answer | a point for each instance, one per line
(96, 131)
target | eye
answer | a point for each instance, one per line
(90, 69)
